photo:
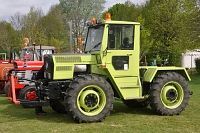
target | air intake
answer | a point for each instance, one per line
(64, 59)
(64, 68)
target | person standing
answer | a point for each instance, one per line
(38, 109)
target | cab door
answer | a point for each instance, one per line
(123, 60)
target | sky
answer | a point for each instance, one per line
(10, 7)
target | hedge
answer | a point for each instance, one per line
(175, 59)
(197, 63)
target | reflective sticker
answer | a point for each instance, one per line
(125, 66)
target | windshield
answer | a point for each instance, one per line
(43, 51)
(29, 54)
(94, 38)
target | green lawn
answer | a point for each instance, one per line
(16, 119)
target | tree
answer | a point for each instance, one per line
(45, 30)
(30, 27)
(17, 21)
(190, 17)
(26, 26)
(145, 41)
(80, 11)
(53, 31)
(8, 37)
(124, 12)
(56, 11)
(170, 24)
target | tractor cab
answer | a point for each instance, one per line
(116, 47)
(36, 53)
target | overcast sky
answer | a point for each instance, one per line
(10, 7)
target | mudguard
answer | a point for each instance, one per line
(152, 72)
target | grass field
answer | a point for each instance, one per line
(16, 119)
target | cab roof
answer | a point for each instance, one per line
(42, 47)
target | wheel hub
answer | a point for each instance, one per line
(31, 95)
(89, 99)
(171, 95)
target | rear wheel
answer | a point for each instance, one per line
(6, 88)
(28, 93)
(169, 94)
(89, 99)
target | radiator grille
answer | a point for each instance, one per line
(64, 68)
(63, 59)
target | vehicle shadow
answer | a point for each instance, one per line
(120, 107)
(17, 112)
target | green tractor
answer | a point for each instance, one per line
(85, 85)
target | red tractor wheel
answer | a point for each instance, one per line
(6, 88)
(28, 93)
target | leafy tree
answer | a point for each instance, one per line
(170, 25)
(45, 30)
(190, 17)
(30, 27)
(53, 31)
(124, 12)
(17, 22)
(145, 41)
(25, 25)
(8, 37)
(56, 10)
(79, 12)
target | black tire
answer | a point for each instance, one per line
(57, 106)
(89, 98)
(136, 103)
(28, 93)
(6, 88)
(169, 94)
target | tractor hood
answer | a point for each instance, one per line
(63, 66)
(74, 59)
(28, 65)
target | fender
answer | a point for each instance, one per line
(152, 72)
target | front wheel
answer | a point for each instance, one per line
(57, 105)
(6, 88)
(89, 98)
(28, 93)
(169, 94)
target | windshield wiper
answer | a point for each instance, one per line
(95, 46)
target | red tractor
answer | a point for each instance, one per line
(20, 85)
(5, 67)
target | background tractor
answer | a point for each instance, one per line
(18, 85)
(5, 66)
(85, 84)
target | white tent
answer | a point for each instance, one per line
(188, 58)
